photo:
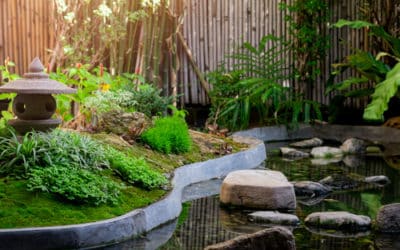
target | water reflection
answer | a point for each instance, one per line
(207, 223)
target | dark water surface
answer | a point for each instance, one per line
(206, 223)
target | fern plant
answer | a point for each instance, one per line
(255, 87)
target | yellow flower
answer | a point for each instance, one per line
(104, 87)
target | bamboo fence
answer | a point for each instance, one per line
(208, 31)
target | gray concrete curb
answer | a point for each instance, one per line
(137, 221)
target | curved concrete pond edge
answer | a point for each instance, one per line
(138, 221)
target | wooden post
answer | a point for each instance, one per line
(186, 49)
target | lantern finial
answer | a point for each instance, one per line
(36, 66)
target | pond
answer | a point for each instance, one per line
(204, 222)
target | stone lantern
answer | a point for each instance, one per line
(34, 105)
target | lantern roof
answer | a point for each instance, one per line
(36, 82)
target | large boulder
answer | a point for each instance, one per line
(326, 152)
(340, 220)
(353, 146)
(274, 217)
(388, 218)
(276, 238)
(263, 189)
(128, 125)
(310, 188)
(310, 143)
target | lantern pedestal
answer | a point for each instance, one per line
(25, 126)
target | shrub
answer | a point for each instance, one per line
(149, 100)
(103, 102)
(135, 171)
(74, 184)
(169, 135)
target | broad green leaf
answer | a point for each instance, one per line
(357, 24)
(384, 91)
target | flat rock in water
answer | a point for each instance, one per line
(293, 153)
(276, 238)
(310, 143)
(263, 189)
(340, 220)
(310, 188)
(388, 218)
(274, 217)
(326, 152)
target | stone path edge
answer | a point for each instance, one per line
(138, 221)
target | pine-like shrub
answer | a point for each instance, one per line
(169, 135)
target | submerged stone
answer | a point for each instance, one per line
(326, 152)
(310, 143)
(388, 218)
(325, 161)
(274, 217)
(276, 238)
(310, 188)
(378, 179)
(342, 182)
(293, 153)
(338, 220)
(264, 189)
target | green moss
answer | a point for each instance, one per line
(20, 208)
(184, 213)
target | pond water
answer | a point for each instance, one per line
(204, 222)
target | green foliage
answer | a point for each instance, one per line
(97, 90)
(150, 101)
(59, 148)
(78, 77)
(308, 41)
(177, 113)
(384, 91)
(135, 170)
(74, 184)
(102, 102)
(392, 42)
(255, 87)
(168, 135)
(6, 74)
(254, 81)
(372, 69)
